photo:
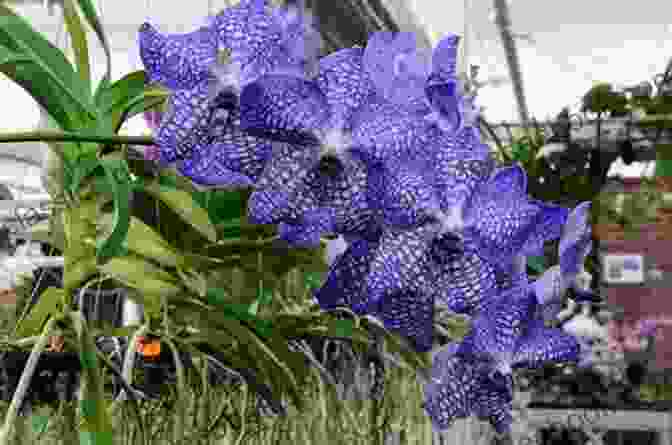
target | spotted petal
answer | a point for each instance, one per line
(178, 61)
(286, 188)
(405, 193)
(384, 131)
(308, 233)
(262, 40)
(410, 314)
(496, 330)
(452, 395)
(575, 244)
(186, 124)
(466, 282)
(284, 108)
(494, 405)
(400, 264)
(345, 283)
(344, 190)
(459, 172)
(504, 222)
(233, 154)
(344, 83)
(541, 345)
(398, 68)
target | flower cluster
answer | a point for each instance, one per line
(379, 144)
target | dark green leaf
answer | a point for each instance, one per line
(117, 175)
(17, 35)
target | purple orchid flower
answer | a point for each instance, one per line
(312, 117)
(506, 334)
(504, 222)
(263, 39)
(408, 312)
(178, 61)
(399, 68)
(575, 245)
(284, 40)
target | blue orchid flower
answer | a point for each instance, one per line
(504, 222)
(409, 311)
(311, 117)
(178, 61)
(399, 68)
(279, 40)
(575, 245)
(504, 335)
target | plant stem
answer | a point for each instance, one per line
(61, 136)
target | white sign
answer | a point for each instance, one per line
(623, 269)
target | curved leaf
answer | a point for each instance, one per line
(52, 67)
(119, 177)
(46, 305)
(121, 91)
(184, 205)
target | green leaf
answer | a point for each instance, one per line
(78, 38)
(94, 21)
(118, 94)
(184, 205)
(97, 421)
(50, 67)
(119, 177)
(47, 305)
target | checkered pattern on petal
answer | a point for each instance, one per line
(284, 108)
(286, 188)
(345, 284)
(541, 345)
(409, 196)
(383, 131)
(453, 395)
(309, 232)
(345, 192)
(401, 263)
(344, 83)
(186, 124)
(410, 313)
(575, 243)
(459, 172)
(178, 61)
(496, 329)
(504, 222)
(494, 405)
(465, 282)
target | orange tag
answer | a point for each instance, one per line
(149, 349)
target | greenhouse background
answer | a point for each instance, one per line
(563, 49)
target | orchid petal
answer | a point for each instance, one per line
(541, 345)
(284, 191)
(400, 264)
(178, 61)
(284, 108)
(344, 83)
(345, 283)
(575, 243)
(186, 125)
